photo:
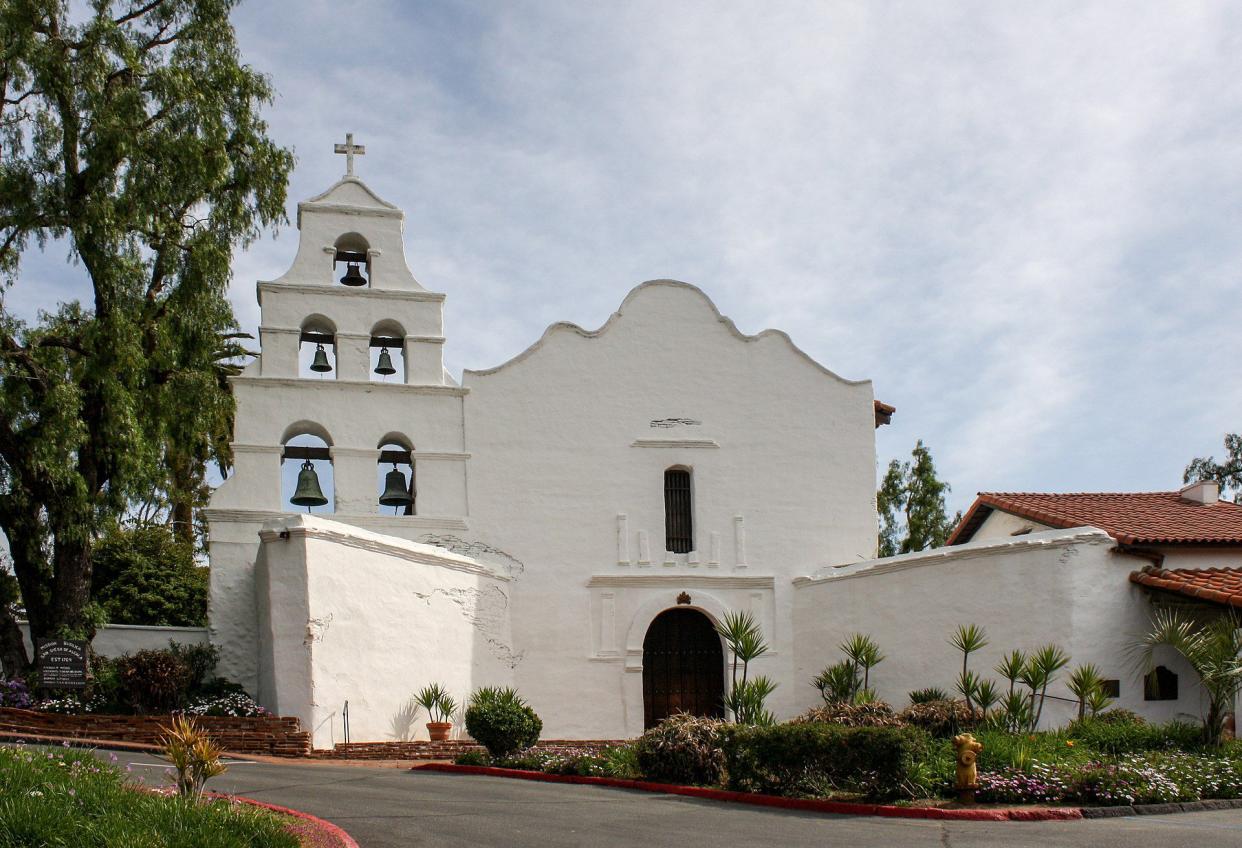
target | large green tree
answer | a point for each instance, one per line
(911, 503)
(146, 574)
(131, 135)
(1228, 472)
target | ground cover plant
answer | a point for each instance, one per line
(73, 799)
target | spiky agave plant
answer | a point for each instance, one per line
(1211, 648)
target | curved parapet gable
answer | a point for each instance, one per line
(635, 294)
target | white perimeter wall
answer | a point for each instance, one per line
(349, 615)
(1060, 586)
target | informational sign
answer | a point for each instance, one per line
(62, 664)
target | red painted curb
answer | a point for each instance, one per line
(809, 804)
(345, 839)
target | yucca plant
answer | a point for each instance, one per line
(1097, 701)
(838, 682)
(1010, 667)
(746, 701)
(1015, 712)
(436, 700)
(1040, 670)
(1212, 649)
(986, 695)
(194, 756)
(1083, 682)
(923, 696)
(744, 640)
(968, 638)
(864, 653)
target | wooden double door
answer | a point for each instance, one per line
(683, 667)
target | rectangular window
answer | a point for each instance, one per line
(678, 512)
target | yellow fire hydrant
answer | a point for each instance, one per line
(967, 774)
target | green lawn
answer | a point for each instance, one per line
(63, 797)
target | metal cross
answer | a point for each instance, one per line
(349, 149)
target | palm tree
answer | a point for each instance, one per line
(1212, 649)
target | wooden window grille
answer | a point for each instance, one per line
(678, 511)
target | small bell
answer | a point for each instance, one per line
(385, 363)
(321, 360)
(395, 492)
(353, 277)
(308, 493)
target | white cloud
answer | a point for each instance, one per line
(1020, 221)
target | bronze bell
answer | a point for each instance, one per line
(353, 277)
(395, 492)
(321, 363)
(385, 363)
(308, 493)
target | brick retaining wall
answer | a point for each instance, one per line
(273, 735)
(423, 750)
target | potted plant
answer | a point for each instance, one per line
(440, 707)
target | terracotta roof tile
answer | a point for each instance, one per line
(1132, 518)
(1218, 585)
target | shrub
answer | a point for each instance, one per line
(154, 681)
(501, 721)
(1118, 715)
(870, 714)
(682, 749)
(472, 758)
(13, 693)
(823, 759)
(200, 660)
(922, 696)
(238, 704)
(942, 718)
(145, 575)
(1117, 737)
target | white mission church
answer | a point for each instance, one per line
(574, 521)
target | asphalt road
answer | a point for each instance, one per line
(383, 807)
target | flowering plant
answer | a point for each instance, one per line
(234, 704)
(13, 693)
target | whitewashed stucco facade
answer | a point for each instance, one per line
(537, 556)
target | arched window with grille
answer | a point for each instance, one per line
(678, 511)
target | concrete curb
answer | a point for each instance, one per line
(807, 804)
(337, 832)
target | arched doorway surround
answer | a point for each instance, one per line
(683, 666)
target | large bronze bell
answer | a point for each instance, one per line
(395, 492)
(385, 363)
(321, 363)
(353, 277)
(308, 493)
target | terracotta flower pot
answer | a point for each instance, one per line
(439, 730)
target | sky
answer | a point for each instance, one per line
(1020, 221)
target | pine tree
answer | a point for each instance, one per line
(131, 134)
(1228, 473)
(911, 505)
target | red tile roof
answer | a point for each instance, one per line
(1218, 585)
(1132, 518)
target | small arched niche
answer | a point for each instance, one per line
(388, 352)
(396, 455)
(317, 349)
(306, 448)
(351, 264)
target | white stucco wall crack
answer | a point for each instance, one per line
(510, 565)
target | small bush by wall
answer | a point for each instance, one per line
(871, 714)
(683, 749)
(501, 721)
(1128, 737)
(942, 718)
(823, 759)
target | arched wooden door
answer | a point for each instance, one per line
(683, 667)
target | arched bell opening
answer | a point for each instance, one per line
(683, 666)
(395, 476)
(317, 349)
(388, 352)
(351, 264)
(307, 481)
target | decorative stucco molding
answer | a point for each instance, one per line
(388, 522)
(346, 291)
(328, 385)
(674, 443)
(710, 581)
(569, 327)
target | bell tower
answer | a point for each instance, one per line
(347, 412)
